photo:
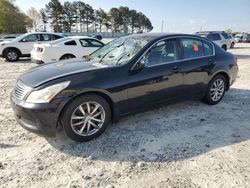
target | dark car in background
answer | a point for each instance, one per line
(129, 74)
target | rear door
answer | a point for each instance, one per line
(197, 58)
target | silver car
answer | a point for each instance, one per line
(220, 38)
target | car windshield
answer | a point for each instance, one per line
(119, 51)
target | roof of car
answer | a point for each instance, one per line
(163, 35)
(211, 32)
(79, 37)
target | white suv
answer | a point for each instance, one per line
(220, 38)
(22, 45)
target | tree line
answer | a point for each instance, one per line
(12, 20)
(81, 17)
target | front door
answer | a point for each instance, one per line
(161, 78)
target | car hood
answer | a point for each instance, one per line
(45, 73)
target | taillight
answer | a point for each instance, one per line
(39, 49)
(235, 59)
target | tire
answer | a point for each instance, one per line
(211, 90)
(12, 55)
(67, 56)
(76, 125)
(232, 45)
(224, 47)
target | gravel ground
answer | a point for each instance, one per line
(184, 145)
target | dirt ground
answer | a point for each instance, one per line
(184, 145)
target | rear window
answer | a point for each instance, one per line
(70, 43)
(208, 48)
(192, 48)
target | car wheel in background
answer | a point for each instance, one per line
(67, 56)
(12, 55)
(232, 45)
(86, 117)
(224, 47)
(216, 90)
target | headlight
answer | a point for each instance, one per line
(47, 94)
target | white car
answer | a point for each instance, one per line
(65, 48)
(232, 41)
(220, 38)
(22, 45)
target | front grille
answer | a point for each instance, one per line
(20, 90)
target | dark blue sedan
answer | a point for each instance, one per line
(129, 74)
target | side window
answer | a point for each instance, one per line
(163, 52)
(208, 48)
(70, 43)
(55, 37)
(192, 48)
(31, 38)
(45, 37)
(216, 37)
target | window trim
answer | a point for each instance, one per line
(175, 37)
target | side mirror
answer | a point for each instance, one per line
(24, 40)
(142, 63)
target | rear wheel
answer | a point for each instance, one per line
(216, 90)
(67, 56)
(12, 55)
(86, 118)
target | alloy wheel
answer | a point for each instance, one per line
(217, 90)
(12, 55)
(87, 118)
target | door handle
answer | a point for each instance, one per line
(176, 69)
(210, 60)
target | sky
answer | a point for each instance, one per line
(181, 16)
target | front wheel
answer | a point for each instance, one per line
(12, 55)
(232, 45)
(216, 90)
(86, 117)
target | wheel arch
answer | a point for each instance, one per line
(15, 48)
(98, 93)
(226, 76)
(66, 55)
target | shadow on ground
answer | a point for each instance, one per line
(239, 56)
(171, 133)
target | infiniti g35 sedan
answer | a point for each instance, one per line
(125, 76)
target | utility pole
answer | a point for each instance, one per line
(162, 26)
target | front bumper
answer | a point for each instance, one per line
(37, 118)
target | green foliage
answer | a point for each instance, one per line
(122, 19)
(11, 19)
